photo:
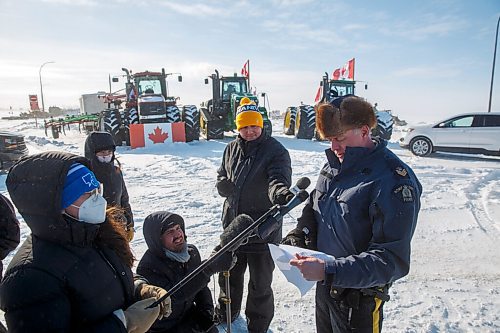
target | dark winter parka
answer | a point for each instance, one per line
(60, 280)
(9, 229)
(110, 175)
(159, 270)
(366, 212)
(259, 170)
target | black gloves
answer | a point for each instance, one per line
(305, 233)
(224, 262)
(283, 196)
(225, 187)
(296, 238)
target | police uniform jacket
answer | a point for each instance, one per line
(366, 211)
(59, 280)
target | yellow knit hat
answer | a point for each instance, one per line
(249, 118)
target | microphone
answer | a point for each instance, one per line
(299, 198)
(273, 222)
(301, 184)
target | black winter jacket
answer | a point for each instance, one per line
(259, 169)
(110, 175)
(9, 229)
(164, 272)
(59, 280)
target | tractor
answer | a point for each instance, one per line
(219, 113)
(301, 121)
(146, 100)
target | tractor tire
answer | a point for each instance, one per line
(289, 120)
(421, 146)
(130, 116)
(111, 123)
(191, 118)
(173, 114)
(210, 128)
(268, 127)
(305, 122)
(384, 127)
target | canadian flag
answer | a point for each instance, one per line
(148, 135)
(318, 95)
(245, 71)
(347, 72)
(344, 73)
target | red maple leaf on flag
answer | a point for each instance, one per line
(158, 136)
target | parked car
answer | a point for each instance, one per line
(470, 133)
(12, 148)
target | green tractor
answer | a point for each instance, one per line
(219, 113)
(301, 121)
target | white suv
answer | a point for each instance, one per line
(472, 133)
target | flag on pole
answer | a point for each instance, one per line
(344, 73)
(245, 71)
(318, 95)
(347, 72)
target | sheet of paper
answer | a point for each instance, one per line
(283, 253)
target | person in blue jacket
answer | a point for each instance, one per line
(363, 212)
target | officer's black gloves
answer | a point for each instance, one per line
(224, 262)
(283, 196)
(296, 238)
(225, 187)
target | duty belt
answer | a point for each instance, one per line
(352, 296)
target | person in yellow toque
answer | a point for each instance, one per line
(254, 175)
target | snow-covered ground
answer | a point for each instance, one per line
(454, 282)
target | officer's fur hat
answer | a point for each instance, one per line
(342, 114)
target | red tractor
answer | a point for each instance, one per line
(146, 100)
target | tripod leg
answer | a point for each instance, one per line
(228, 301)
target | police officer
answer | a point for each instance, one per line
(363, 212)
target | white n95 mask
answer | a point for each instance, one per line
(105, 158)
(92, 210)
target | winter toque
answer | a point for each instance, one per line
(342, 114)
(171, 220)
(79, 180)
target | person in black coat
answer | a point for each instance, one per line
(9, 230)
(100, 150)
(255, 174)
(168, 259)
(73, 273)
(9, 234)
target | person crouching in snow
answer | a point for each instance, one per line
(168, 259)
(73, 272)
(100, 150)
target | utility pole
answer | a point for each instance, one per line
(41, 86)
(493, 68)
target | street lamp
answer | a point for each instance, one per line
(493, 69)
(41, 86)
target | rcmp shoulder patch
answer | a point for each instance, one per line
(404, 192)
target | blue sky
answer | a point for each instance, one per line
(425, 60)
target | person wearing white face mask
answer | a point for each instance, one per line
(100, 150)
(73, 272)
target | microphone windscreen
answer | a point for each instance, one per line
(303, 183)
(236, 227)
